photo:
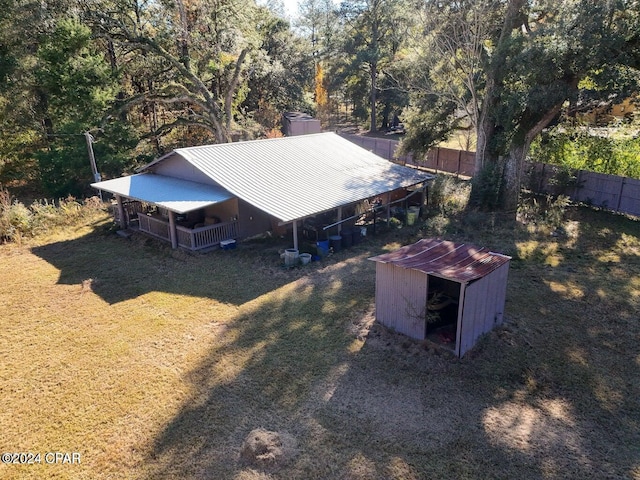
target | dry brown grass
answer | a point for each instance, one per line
(158, 364)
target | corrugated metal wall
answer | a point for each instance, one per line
(483, 308)
(401, 299)
(401, 296)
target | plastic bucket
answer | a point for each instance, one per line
(347, 237)
(291, 257)
(305, 258)
(336, 242)
(355, 235)
(323, 247)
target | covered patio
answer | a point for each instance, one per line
(172, 209)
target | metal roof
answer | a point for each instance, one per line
(294, 177)
(459, 262)
(174, 194)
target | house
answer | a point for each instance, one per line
(197, 197)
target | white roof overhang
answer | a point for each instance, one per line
(177, 195)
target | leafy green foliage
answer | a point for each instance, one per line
(371, 41)
(78, 85)
(488, 187)
(581, 149)
(74, 77)
(512, 67)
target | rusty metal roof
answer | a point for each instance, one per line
(459, 262)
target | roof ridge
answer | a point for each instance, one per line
(262, 140)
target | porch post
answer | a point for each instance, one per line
(423, 197)
(123, 219)
(388, 207)
(172, 229)
(295, 234)
(339, 218)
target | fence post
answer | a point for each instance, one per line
(459, 163)
(622, 182)
(577, 188)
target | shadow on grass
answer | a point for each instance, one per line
(566, 398)
(122, 269)
(262, 373)
(552, 394)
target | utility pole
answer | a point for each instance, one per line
(92, 159)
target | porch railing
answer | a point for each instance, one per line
(154, 226)
(131, 210)
(190, 238)
(207, 236)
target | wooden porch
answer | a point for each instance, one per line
(189, 238)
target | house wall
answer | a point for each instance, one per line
(177, 167)
(252, 221)
(401, 299)
(225, 211)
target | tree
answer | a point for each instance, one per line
(517, 65)
(57, 85)
(371, 40)
(201, 48)
(281, 73)
(78, 86)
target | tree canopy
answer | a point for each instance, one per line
(145, 76)
(142, 77)
(512, 68)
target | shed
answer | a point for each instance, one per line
(446, 292)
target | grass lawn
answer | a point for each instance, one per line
(152, 363)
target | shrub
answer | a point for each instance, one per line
(582, 149)
(18, 221)
(546, 211)
(448, 194)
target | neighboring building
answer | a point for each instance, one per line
(607, 114)
(197, 197)
(298, 123)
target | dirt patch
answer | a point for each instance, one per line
(268, 450)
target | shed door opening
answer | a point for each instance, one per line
(443, 299)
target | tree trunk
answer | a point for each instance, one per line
(484, 131)
(231, 90)
(513, 165)
(374, 75)
(518, 151)
(183, 39)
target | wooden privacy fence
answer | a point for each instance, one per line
(611, 192)
(460, 162)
